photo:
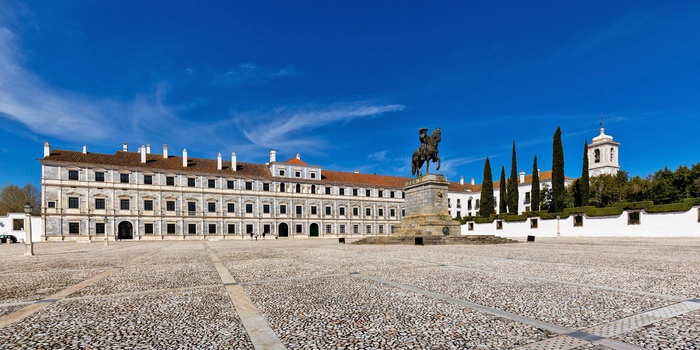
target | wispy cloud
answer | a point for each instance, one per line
(378, 156)
(289, 127)
(250, 73)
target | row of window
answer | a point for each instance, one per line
(125, 204)
(170, 228)
(230, 184)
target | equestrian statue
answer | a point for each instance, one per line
(426, 152)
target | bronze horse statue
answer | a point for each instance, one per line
(428, 151)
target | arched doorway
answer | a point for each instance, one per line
(283, 230)
(125, 230)
(313, 230)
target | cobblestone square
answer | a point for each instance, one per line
(568, 293)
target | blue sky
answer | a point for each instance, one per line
(347, 84)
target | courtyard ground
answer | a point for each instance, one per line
(568, 293)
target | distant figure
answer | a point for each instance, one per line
(264, 233)
(256, 236)
(251, 236)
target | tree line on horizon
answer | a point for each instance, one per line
(13, 198)
(665, 186)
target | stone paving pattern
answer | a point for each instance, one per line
(319, 294)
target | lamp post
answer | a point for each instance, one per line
(28, 244)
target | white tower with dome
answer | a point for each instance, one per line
(603, 155)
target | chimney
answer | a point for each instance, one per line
(143, 154)
(184, 158)
(355, 172)
(538, 171)
(461, 180)
(165, 150)
(472, 181)
(298, 156)
(522, 176)
(218, 162)
(273, 156)
(125, 147)
(47, 149)
(233, 161)
(148, 149)
(84, 149)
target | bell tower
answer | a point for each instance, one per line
(603, 154)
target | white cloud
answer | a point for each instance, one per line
(250, 73)
(378, 156)
(283, 127)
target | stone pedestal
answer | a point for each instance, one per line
(426, 209)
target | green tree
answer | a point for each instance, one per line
(13, 199)
(662, 189)
(535, 189)
(585, 184)
(513, 195)
(503, 193)
(546, 198)
(558, 189)
(695, 175)
(607, 190)
(576, 192)
(487, 201)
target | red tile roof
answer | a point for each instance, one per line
(295, 161)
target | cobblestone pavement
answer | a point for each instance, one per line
(569, 293)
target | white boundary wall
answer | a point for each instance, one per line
(6, 227)
(674, 224)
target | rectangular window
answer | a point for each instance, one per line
(124, 204)
(100, 228)
(192, 229)
(380, 212)
(633, 218)
(469, 204)
(533, 223)
(355, 228)
(283, 209)
(74, 228)
(249, 186)
(341, 191)
(328, 210)
(170, 181)
(281, 172)
(470, 226)
(249, 208)
(124, 178)
(266, 209)
(459, 203)
(381, 229)
(148, 205)
(249, 228)
(72, 175)
(170, 228)
(298, 209)
(368, 193)
(527, 197)
(230, 207)
(392, 212)
(191, 182)
(17, 224)
(51, 204)
(328, 190)
(100, 176)
(313, 175)
(477, 205)
(328, 229)
(391, 194)
(148, 229)
(266, 229)
(231, 228)
(170, 205)
(368, 229)
(342, 228)
(99, 203)
(148, 179)
(313, 210)
(299, 228)
(380, 193)
(499, 224)
(354, 192)
(297, 174)
(211, 207)
(212, 228)
(191, 206)
(403, 195)
(368, 211)
(73, 203)
(229, 184)
(449, 203)
(211, 183)
(355, 211)
(266, 187)
(578, 221)
(459, 214)
(341, 210)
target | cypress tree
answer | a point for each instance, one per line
(535, 190)
(503, 193)
(558, 190)
(487, 202)
(585, 181)
(513, 195)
